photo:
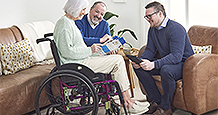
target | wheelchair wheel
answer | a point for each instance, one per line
(68, 92)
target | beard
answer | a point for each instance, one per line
(153, 24)
(96, 20)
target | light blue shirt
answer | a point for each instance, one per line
(164, 23)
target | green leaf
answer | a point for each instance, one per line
(109, 15)
(112, 29)
(121, 32)
(112, 32)
(112, 26)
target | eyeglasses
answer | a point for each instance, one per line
(149, 16)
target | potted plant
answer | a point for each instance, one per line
(108, 15)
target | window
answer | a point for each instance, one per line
(193, 12)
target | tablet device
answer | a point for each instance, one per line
(134, 59)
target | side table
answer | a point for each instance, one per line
(129, 68)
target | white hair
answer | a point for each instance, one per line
(74, 7)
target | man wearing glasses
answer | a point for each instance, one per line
(170, 40)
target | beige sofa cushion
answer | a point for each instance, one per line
(17, 91)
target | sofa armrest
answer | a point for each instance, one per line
(200, 79)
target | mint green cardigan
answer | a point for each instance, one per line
(69, 42)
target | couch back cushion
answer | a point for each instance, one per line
(204, 36)
(141, 50)
(10, 35)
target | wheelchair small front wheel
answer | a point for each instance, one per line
(67, 92)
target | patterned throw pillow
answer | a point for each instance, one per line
(202, 49)
(17, 56)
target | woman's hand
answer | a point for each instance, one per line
(111, 52)
(95, 47)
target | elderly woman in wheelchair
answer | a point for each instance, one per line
(73, 53)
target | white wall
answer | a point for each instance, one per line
(193, 12)
(177, 11)
(131, 12)
(204, 13)
(23, 11)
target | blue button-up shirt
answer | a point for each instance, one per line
(164, 23)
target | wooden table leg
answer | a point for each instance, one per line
(130, 76)
(129, 68)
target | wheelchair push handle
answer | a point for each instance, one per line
(41, 40)
(45, 38)
(48, 34)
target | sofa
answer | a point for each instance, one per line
(197, 92)
(18, 85)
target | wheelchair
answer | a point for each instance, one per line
(75, 89)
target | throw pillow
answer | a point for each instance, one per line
(202, 49)
(17, 56)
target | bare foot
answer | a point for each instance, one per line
(128, 101)
(129, 98)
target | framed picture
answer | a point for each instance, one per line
(119, 0)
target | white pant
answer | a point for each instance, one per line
(110, 63)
